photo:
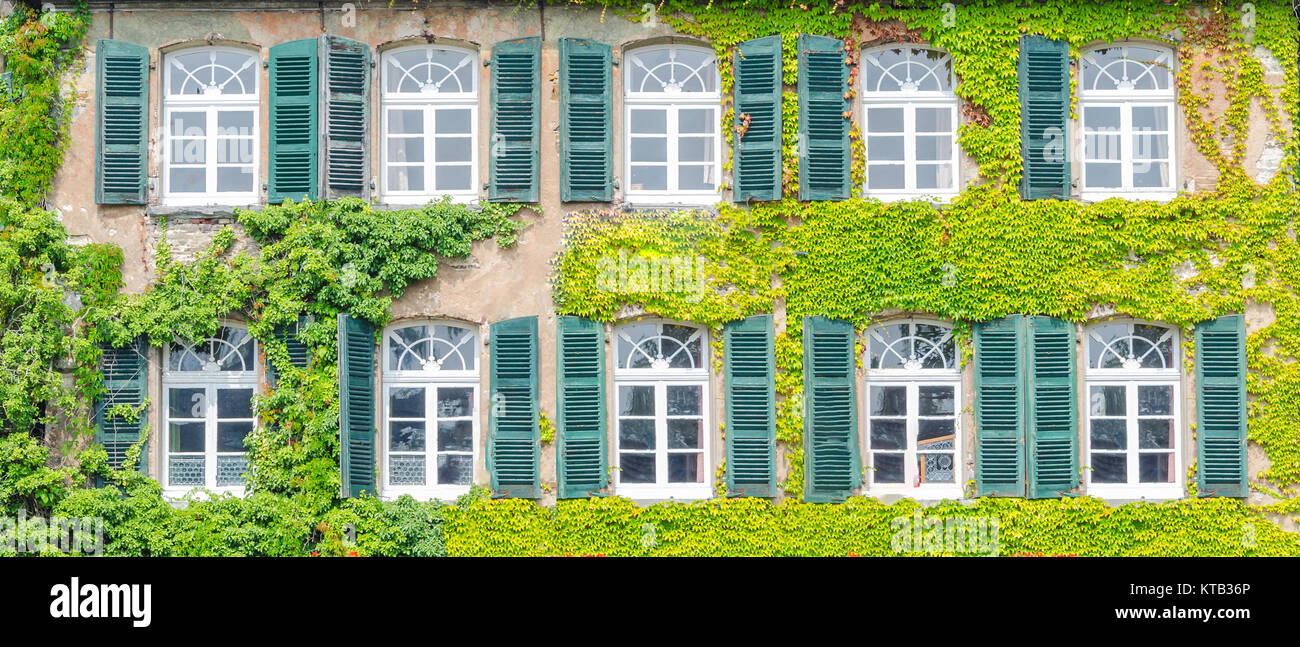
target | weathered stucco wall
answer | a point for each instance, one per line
(493, 283)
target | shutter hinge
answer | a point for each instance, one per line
(616, 185)
(372, 184)
(266, 65)
(487, 62)
(614, 60)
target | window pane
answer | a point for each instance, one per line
(889, 468)
(1147, 146)
(683, 400)
(936, 434)
(1151, 175)
(886, 149)
(455, 469)
(888, 400)
(453, 149)
(685, 468)
(884, 120)
(455, 402)
(1155, 400)
(934, 176)
(933, 120)
(885, 177)
(453, 178)
(188, 151)
(1156, 433)
(933, 147)
(649, 149)
(695, 121)
(235, 122)
(636, 400)
(407, 436)
(1109, 468)
(188, 180)
(235, 150)
(1101, 146)
(406, 470)
(888, 434)
(185, 470)
(452, 121)
(234, 403)
(1109, 434)
(695, 178)
(186, 403)
(235, 179)
(405, 178)
(636, 433)
(406, 402)
(649, 178)
(406, 149)
(684, 433)
(1156, 468)
(636, 468)
(189, 124)
(1102, 118)
(695, 149)
(935, 468)
(1103, 176)
(186, 437)
(1150, 118)
(230, 436)
(456, 436)
(653, 122)
(405, 122)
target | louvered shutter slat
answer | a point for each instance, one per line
(586, 138)
(1221, 407)
(356, 405)
(1053, 419)
(757, 153)
(823, 129)
(122, 113)
(580, 367)
(751, 408)
(999, 408)
(294, 147)
(830, 422)
(516, 97)
(1044, 70)
(513, 442)
(346, 107)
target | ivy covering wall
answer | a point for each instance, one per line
(986, 255)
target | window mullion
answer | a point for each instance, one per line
(1131, 432)
(661, 433)
(430, 435)
(673, 137)
(909, 146)
(911, 472)
(429, 168)
(210, 152)
(210, 437)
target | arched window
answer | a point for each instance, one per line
(208, 389)
(1133, 412)
(910, 115)
(210, 126)
(431, 382)
(913, 405)
(1126, 103)
(430, 107)
(662, 397)
(672, 105)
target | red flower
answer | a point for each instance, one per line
(352, 553)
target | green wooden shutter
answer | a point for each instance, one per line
(298, 352)
(294, 108)
(345, 104)
(1044, 113)
(751, 407)
(513, 440)
(830, 421)
(586, 114)
(823, 129)
(1221, 406)
(356, 405)
(580, 395)
(121, 122)
(757, 153)
(125, 373)
(516, 120)
(1053, 427)
(999, 407)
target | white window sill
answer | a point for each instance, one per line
(1158, 196)
(676, 201)
(679, 492)
(446, 493)
(931, 198)
(180, 494)
(1154, 492)
(410, 202)
(948, 491)
(229, 201)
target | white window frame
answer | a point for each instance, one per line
(1126, 101)
(210, 106)
(661, 379)
(672, 105)
(910, 102)
(429, 104)
(1131, 379)
(913, 380)
(431, 381)
(210, 382)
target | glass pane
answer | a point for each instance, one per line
(1102, 147)
(185, 470)
(682, 346)
(653, 122)
(935, 468)
(455, 469)
(683, 400)
(933, 120)
(186, 437)
(1149, 147)
(1109, 434)
(1156, 468)
(888, 400)
(235, 179)
(406, 470)
(636, 468)
(451, 121)
(888, 434)
(234, 122)
(649, 149)
(884, 120)
(684, 434)
(188, 180)
(406, 402)
(455, 402)
(407, 436)
(885, 177)
(636, 400)
(1150, 118)
(1151, 175)
(1155, 400)
(233, 349)
(1107, 401)
(189, 151)
(934, 176)
(186, 403)
(695, 178)
(189, 124)
(1156, 433)
(406, 149)
(405, 178)
(936, 434)
(453, 178)
(636, 433)
(235, 150)
(405, 122)
(695, 121)
(889, 468)
(230, 436)
(456, 436)
(453, 149)
(234, 403)
(1101, 118)
(695, 149)
(933, 147)
(231, 470)
(649, 178)
(685, 468)
(1109, 468)
(888, 149)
